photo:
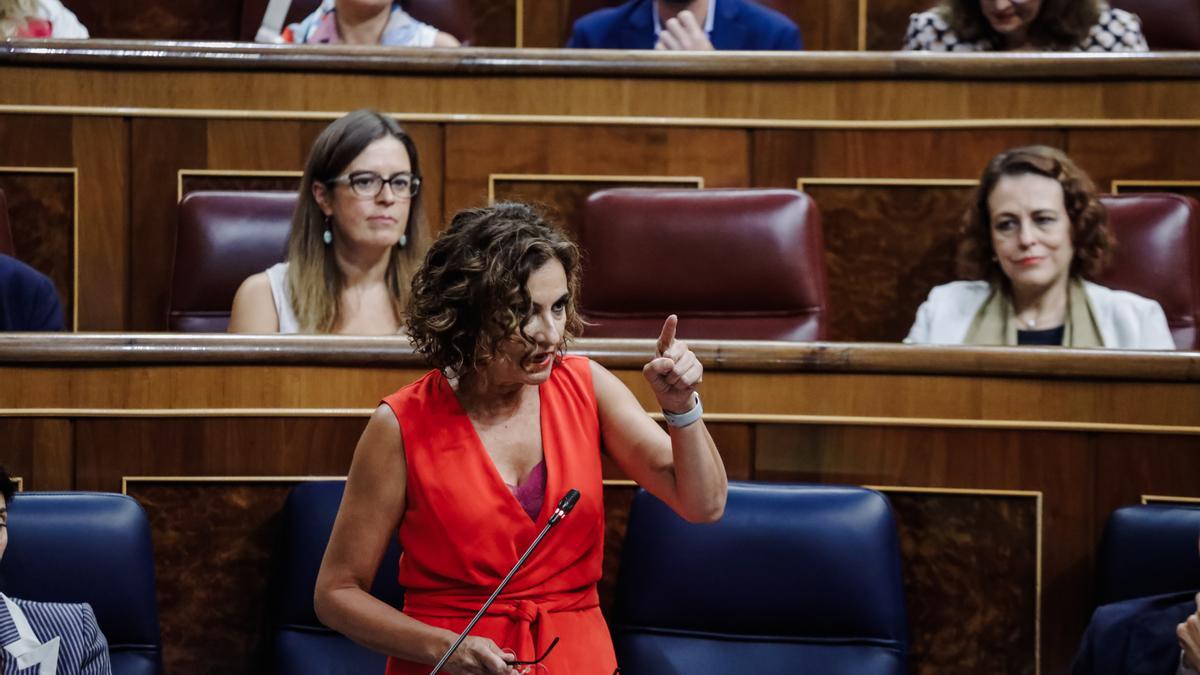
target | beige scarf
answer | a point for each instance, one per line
(996, 324)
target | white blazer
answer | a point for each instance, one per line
(1126, 320)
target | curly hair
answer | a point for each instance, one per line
(470, 294)
(1090, 235)
(1060, 24)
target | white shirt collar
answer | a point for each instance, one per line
(708, 20)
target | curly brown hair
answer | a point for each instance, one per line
(1090, 235)
(1060, 24)
(470, 294)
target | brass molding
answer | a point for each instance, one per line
(1120, 186)
(493, 178)
(74, 173)
(520, 27)
(617, 120)
(19, 481)
(862, 25)
(222, 173)
(1021, 494)
(1170, 499)
(886, 182)
(127, 480)
(619, 482)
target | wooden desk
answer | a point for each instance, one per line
(1001, 464)
(101, 138)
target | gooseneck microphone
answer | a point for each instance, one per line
(564, 507)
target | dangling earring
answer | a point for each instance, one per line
(328, 236)
(403, 241)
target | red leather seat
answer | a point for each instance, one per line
(733, 264)
(1167, 24)
(1158, 256)
(223, 238)
(449, 16)
(6, 240)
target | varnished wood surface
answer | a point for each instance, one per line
(750, 356)
(138, 54)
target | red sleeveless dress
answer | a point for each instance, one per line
(463, 529)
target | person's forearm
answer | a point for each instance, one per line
(378, 626)
(700, 481)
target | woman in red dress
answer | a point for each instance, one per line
(468, 462)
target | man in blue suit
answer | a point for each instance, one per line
(46, 638)
(28, 301)
(1155, 635)
(692, 25)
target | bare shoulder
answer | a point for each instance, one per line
(445, 40)
(254, 307)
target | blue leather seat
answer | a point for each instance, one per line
(89, 547)
(794, 579)
(302, 644)
(1149, 550)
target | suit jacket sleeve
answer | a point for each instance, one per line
(95, 654)
(45, 312)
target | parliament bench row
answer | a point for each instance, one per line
(793, 574)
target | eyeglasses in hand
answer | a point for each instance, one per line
(534, 666)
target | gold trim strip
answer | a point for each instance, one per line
(698, 181)
(126, 480)
(1037, 496)
(619, 482)
(73, 171)
(231, 174)
(862, 25)
(19, 481)
(1169, 499)
(614, 120)
(725, 418)
(887, 182)
(520, 27)
(1118, 184)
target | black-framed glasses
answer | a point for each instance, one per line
(530, 666)
(368, 184)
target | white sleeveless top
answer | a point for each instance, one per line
(277, 275)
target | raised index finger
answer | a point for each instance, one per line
(667, 336)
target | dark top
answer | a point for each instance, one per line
(28, 301)
(1135, 637)
(738, 25)
(1047, 336)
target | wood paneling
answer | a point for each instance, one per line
(475, 152)
(564, 198)
(40, 451)
(496, 21)
(101, 149)
(888, 19)
(41, 210)
(163, 20)
(885, 247)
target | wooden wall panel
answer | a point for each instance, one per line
(888, 19)
(163, 147)
(41, 209)
(101, 150)
(564, 197)
(1145, 154)
(162, 20)
(885, 247)
(496, 21)
(40, 451)
(475, 152)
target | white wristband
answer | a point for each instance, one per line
(679, 420)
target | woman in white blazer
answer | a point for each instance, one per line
(1034, 229)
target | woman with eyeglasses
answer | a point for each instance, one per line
(1025, 25)
(1033, 232)
(355, 240)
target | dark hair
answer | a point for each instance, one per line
(314, 278)
(1090, 235)
(1060, 24)
(470, 296)
(8, 488)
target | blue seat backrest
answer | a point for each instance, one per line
(301, 643)
(1149, 550)
(95, 548)
(793, 579)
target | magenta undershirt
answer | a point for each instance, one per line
(531, 492)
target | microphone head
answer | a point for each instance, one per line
(568, 501)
